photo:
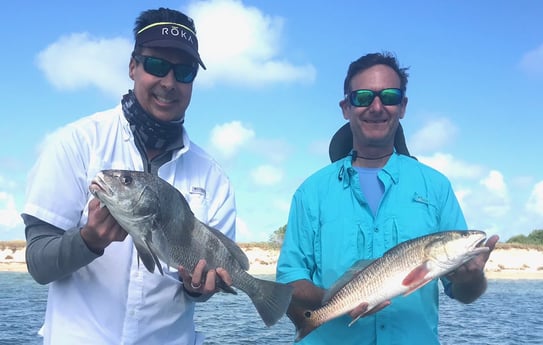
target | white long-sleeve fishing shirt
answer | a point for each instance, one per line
(114, 299)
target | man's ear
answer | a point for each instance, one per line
(344, 105)
(131, 68)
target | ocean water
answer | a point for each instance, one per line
(510, 313)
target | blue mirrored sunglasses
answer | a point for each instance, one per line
(184, 73)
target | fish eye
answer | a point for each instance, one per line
(126, 180)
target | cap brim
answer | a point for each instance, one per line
(342, 142)
(176, 45)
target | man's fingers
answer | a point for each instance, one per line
(198, 272)
(224, 275)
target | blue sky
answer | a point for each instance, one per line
(267, 105)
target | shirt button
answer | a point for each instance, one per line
(376, 229)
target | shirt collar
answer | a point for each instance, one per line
(391, 169)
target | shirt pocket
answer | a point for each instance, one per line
(342, 242)
(417, 218)
(197, 199)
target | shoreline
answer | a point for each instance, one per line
(504, 262)
(269, 270)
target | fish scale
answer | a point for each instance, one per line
(401, 270)
(164, 230)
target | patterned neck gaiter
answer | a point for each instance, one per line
(154, 134)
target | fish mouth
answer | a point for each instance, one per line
(481, 242)
(478, 245)
(99, 186)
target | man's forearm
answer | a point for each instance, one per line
(306, 294)
(52, 253)
(468, 292)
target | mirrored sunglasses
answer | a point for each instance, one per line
(184, 73)
(363, 97)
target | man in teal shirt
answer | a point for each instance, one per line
(372, 197)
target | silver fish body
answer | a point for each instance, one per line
(163, 227)
(401, 270)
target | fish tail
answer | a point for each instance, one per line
(271, 299)
(303, 321)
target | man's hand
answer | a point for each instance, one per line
(473, 269)
(200, 282)
(468, 281)
(101, 228)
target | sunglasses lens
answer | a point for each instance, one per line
(391, 96)
(160, 68)
(156, 67)
(362, 98)
(185, 73)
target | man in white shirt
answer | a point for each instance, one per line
(98, 291)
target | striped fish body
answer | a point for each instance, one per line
(401, 270)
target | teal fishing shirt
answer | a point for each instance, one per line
(331, 226)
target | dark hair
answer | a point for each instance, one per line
(371, 60)
(160, 15)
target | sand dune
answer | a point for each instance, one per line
(505, 262)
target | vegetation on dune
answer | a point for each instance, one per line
(533, 241)
(261, 245)
(534, 238)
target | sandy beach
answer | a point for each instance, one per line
(505, 262)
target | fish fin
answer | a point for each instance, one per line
(355, 269)
(271, 299)
(416, 279)
(416, 275)
(414, 288)
(145, 256)
(231, 246)
(356, 319)
(148, 257)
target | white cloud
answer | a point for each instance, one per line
(7, 184)
(319, 147)
(495, 183)
(433, 136)
(80, 60)
(267, 175)
(230, 137)
(532, 62)
(494, 199)
(241, 45)
(451, 167)
(246, 232)
(242, 230)
(462, 194)
(274, 150)
(9, 215)
(535, 201)
(283, 204)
